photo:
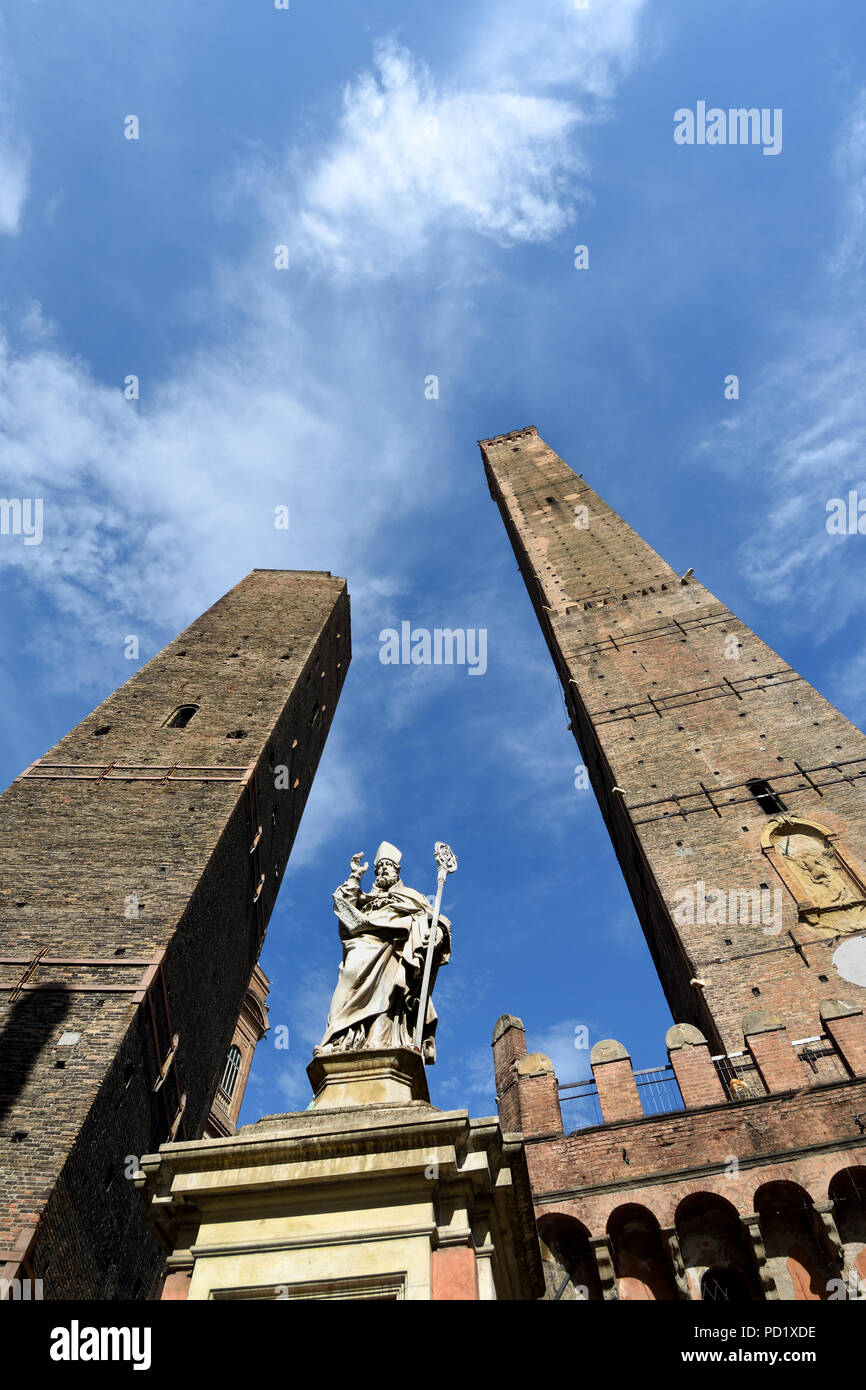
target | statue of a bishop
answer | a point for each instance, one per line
(385, 934)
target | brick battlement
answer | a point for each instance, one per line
(766, 1138)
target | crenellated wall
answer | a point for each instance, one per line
(755, 1187)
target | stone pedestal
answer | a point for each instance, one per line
(373, 1077)
(372, 1193)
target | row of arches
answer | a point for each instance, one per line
(785, 1248)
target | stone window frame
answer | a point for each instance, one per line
(169, 722)
(388, 1287)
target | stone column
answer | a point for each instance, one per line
(603, 1252)
(828, 1233)
(752, 1226)
(672, 1240)
(483, 1239)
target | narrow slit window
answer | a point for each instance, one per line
(181, 717)
(769, 801)
(230, 1072)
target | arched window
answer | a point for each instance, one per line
(570, 1268)
(181, 717)
(230, 1072)
(641, 1259)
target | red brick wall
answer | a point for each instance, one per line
(659, 710)
(267, 661)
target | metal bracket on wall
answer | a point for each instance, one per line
(258, 873)
(41, 771)
(166, 1062)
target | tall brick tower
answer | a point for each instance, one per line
(142, 857)
(734, 794)
(735, 798)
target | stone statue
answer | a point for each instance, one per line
(385, 934)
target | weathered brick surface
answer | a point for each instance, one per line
(848, 1032)
(778, 1064)
(657, 1161)
(617, 1092)
(772, 1188)
(509, 1045)
(659, 711)
(539, 1103)
(696, 1075)
(265, 665)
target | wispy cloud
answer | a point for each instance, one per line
(14, 155)
(413, 160)
(801, 427)
(142, 497)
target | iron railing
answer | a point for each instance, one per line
(658, 1090)
(820, 1058)
(739, 1076)
(578, 1101)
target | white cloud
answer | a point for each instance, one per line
(338, 798)
(490, 150)
(588, 51)
(558, 1043)
(13, 184)
(14, 158)
(304, 1014)
(850, 167)
(413, 160)
(801, 428)
(152, 509)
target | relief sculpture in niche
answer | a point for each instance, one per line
(827, 887)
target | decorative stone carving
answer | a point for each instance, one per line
(683, 1035)
(825, 883)
(608, 1050)
(534, 1064)
(385, 934)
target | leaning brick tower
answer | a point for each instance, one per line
(734, 794)
(142, 857)
(735, 798)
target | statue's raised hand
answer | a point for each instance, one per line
(358, 869)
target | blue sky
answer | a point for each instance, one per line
(431, 169)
